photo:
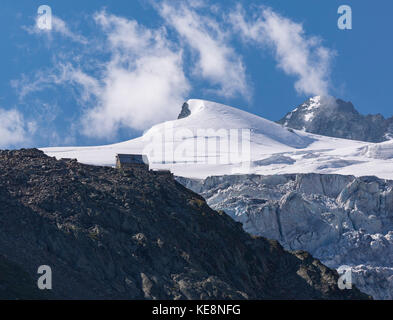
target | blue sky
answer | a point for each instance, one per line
(107, 72)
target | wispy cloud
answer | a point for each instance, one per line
(296, 53)
(58, 26)
(216, 61)
(140, 84)
(62, 73)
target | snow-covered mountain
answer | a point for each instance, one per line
(337, 118)
(214, 139)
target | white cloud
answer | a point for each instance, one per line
(60, 26)
(296, 54)
(216, 61)
(142, 84)
(13, 128)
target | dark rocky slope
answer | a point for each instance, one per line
(109, 234)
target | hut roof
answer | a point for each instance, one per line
(133, 158)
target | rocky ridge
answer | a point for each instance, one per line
(135, 234)
(337, 118)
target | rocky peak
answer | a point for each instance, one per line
(338, 118)
(185, 111)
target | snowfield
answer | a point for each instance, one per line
(202, 145)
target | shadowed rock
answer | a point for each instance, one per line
(185, 111)
(110, 234)
(337, 118)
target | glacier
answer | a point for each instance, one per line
(341, 220)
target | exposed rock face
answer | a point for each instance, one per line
(341, 220)
(16, 283)
(337, 118)
(185, 111)
(112, 234)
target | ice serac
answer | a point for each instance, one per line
(341, 220)
(333, 117)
